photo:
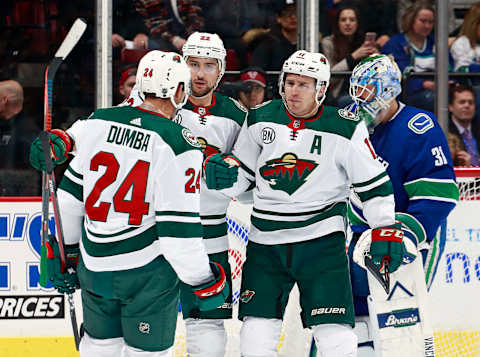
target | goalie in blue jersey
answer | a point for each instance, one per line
(411, 145)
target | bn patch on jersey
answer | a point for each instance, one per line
(420, 123)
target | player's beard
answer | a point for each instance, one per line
(201, 93)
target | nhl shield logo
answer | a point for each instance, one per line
(144, 327)
(296, 124)
(201, 111)
(246, 296)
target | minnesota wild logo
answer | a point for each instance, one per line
(287, 173)
(207, 149)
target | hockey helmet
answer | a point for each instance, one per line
(160, 73)
(206, 45)
(310, 64)
(384, 76)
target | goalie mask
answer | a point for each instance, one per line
(374, 84)
(206, 45)
(309, 64)
(160, 73)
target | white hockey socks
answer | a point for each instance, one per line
(259, 337)
(335, 340)
(93, 347)
(205, 337)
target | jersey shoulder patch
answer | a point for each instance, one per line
(190, 138)
(260, 105)
(420, 123)
(348, 114)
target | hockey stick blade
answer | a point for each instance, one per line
(76, 31)
(384, 280)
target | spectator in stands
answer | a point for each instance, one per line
(127, 25)
(255, 79)
(170, 26)
(344, 49)
(462, 122)
(466, 49)
(127, 81)
(377, 16)
(16, 131)
(280, 42)
(457, 149)
(413, 51)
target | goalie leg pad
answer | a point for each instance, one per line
(259, 336)
(94, 347)
(130, 351)
(335, 340)
(205, 337)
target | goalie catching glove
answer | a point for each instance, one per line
(214, 293)
(65, 282)
(221, 171)
(60, 146)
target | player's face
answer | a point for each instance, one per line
(367, 93)
(254, 97)
(423, 24)
(347, 22)
(205, 73)
(463, 106)
(300, 94)
(126, 88)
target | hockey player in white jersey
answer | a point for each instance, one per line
(216, 121)
(411, 145)
(124, 203)
(303, 156)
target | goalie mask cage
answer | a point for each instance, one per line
(454, 296)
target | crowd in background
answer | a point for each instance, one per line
(259, 35)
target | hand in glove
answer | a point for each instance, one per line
(387, 247)
(65, 282)
(60, 146)
(221, 171)
(214, 293)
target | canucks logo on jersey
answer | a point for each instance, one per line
(287, 173)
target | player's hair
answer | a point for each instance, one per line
(412, 11)
(459, 88)
(342, 44)
(470, 25)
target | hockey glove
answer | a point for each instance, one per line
(214, 293)
(221, 171)
(60, 146)
(387, 247)
(65, 282)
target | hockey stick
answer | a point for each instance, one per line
(72, 38)
(51, 187)
(383, 279)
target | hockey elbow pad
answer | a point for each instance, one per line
(214, 293)
(60, 146)
(221, 171)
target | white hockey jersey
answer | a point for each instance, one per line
(216, 128)
(303, 171)
(131, 174)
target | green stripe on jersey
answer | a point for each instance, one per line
(177, 213)
(413, 224)
(215, 230)
(366, 183)
(385, 189)
(71, 187)
(432, 189)
(353, 218)
(268, 225)
(128, 245)
(74, 173)
(179, 229)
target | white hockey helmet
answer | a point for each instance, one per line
(383, 74)
(310, 64)
(206, 45)
(160, 73)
